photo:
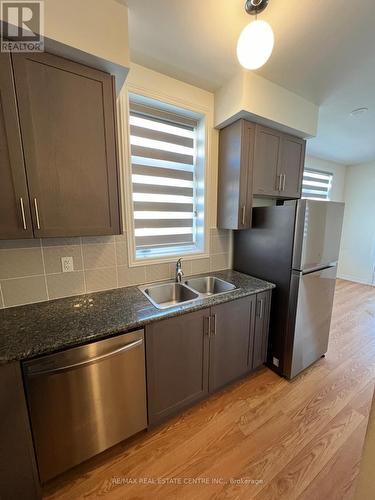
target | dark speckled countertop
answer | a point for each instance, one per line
(46, 327)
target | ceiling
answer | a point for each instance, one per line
(324, 51)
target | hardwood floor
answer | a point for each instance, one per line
(263, 438)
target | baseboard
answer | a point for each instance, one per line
(348, 277)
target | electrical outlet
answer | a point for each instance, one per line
(67, 264)
(275, 361)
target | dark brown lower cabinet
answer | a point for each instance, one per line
(262, 316)
(18, 468)
(177, 363)
(197, 353)
(231, 342)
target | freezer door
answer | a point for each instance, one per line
(317, 234)
(314, 294)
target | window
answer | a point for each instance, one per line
(167, 182)
(316, 185)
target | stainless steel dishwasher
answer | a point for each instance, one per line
(86, 399)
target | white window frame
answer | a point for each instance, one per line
(322, 172)
(202, 163)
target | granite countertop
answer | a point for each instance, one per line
(46, 327)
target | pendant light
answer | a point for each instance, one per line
(255, 44)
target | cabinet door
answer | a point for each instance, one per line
(266, 159)
(291, 166)
(248, 150)
(68, 131)
(177, 363)
(236, 175)
(231, 341)
(263, 304)
(15, 220)
(18, 468)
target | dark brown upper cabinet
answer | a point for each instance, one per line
(291, 166)
(67, 118)
(267, 153)
(278, 164)
(235, 183)
(255, 161)
(15, 219)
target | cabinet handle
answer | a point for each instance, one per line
(214, 319)
(283, 184)
(208, 331)
(278, 182)
(36, 213)
(23, 214)
(243, 214)
(260, 315)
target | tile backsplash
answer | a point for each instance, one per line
(30, 270)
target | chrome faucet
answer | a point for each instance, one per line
(179, 272)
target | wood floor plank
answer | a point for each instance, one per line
(308, 463)
(305, 423)
(297, 440)
(337, 479)
(361, 402)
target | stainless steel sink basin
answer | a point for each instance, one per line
(168, 294)
(209, 285)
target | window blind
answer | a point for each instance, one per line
(162, 160)
(316, 185)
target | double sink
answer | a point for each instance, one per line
(167, 295)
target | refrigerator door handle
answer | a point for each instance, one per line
(329, 265)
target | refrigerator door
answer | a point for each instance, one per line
(312, 294)
(317, 234)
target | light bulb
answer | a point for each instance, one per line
(255, 44)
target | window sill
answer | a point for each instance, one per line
(168, 259)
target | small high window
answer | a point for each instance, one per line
(316, 185)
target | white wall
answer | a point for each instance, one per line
(91, 32)
(339, 175)
(357, 256)
(248, 95)
(92, 26)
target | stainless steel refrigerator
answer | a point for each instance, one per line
(296, 246)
